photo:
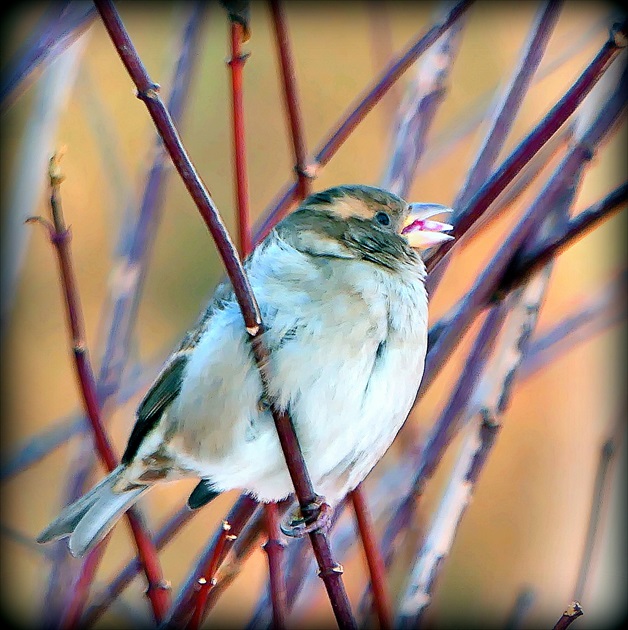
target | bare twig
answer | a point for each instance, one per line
(61, 24)
(418, 109)
(569, 170)
(60, 238)
(236, 64)
(523, 603)
(572, 612)
(377, 570)
(202, 578)
(510, 102)
(600, 491)
(521, 268)
(291, 101)
(274, 549)
(106, 597)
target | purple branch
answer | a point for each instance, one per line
(532, 143)
(510, 102)
(61, 24)
(593, 315)
(600, 492)
(567, 173)
(565, 235)
(418, 109)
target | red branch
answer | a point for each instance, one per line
(330, 571)
(304, 172)
(374, 559)
(274, 549)
(60, 237)
(195, 592)
(236, 63)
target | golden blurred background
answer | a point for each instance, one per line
(527, 522)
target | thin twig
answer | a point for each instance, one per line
(377, 570)
(274, 549)
(600, 491)
(331, 573)
(418, 109)
(572, 612)
(523, 603)
(504, 114)
(61, 24)
(236, 65)
(106, 596)
(204, 574)
(563, 237)
(60, 237)
(291, 101)
(510, 102)
(579, 155)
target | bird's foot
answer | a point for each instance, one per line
(315, 517)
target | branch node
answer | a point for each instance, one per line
(310, 170)
(336, 569)
(619, 36)
(161, 585)
(149, 94)
(238, 60)
(574, 610)
(253, 330)
(54, 167)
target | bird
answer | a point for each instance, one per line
(340, 285)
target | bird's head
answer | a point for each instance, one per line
(364, 222)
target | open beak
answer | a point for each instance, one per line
(420, 231)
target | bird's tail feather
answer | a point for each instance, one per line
(90, 519)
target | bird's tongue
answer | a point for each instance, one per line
(421, 231)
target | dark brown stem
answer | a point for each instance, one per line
(274, 549)
(236, 64)
(149, 93)
(375, 562)
(60, 237)
(291, 101)
(573, 611)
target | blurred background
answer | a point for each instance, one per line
(527, 522)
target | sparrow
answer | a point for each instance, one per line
(340, 287)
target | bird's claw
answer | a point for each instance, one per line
(315, 517)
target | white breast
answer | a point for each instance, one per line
(348, 342)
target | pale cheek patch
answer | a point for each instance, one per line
(349, 207)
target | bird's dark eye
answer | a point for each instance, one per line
(382, 218)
